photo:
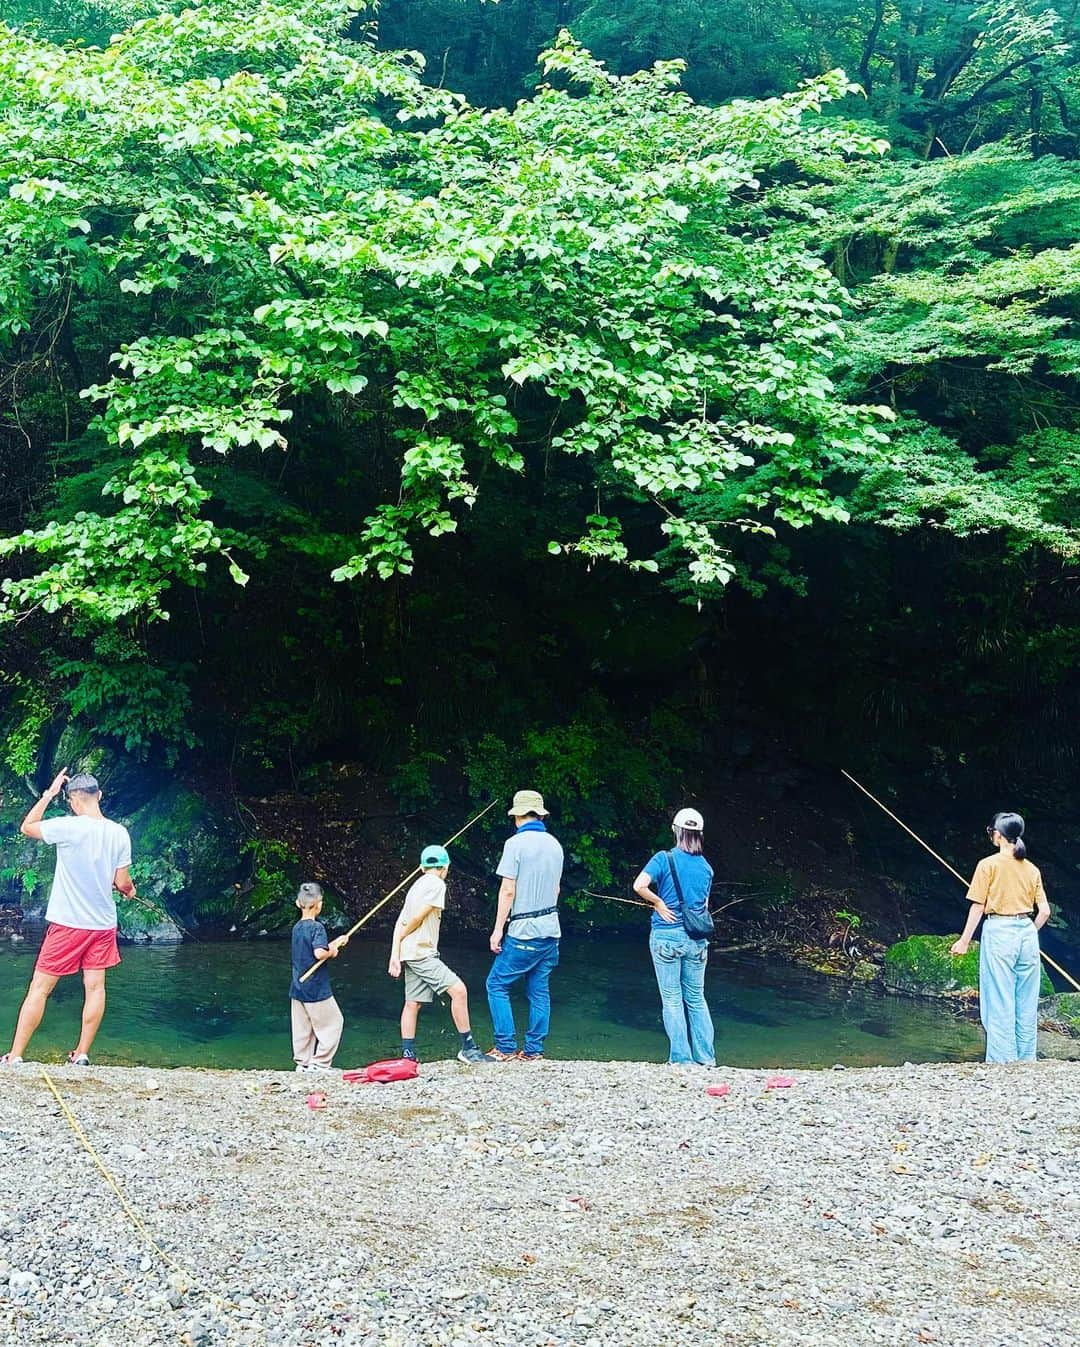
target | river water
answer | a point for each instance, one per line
(225, 1004)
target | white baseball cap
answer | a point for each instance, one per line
(689, 818)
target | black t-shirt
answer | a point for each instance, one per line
(309, 935)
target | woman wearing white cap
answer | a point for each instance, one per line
(672, 882)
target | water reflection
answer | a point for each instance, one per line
(225, 1004)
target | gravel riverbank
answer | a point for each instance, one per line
(563, 1204)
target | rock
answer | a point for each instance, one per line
(1058, 1047)
(188, 852)
(126, 783)
(24, 1283)
(1061, 1013)
(921, 965)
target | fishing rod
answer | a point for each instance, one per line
(1055, 966)
(630, 902)
(637, 902)
(397, 889)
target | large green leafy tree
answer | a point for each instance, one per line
(278, 228)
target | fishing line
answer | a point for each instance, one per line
(132, 1214)
(1055, 966)
(397, 889)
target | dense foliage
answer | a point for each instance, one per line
(417, 416)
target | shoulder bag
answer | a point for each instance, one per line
(698, 920)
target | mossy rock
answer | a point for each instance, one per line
(923, 966)
(126, 783)
(185, 852)
(1061, 1013)
(138, 925)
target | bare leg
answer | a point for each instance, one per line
(459, 1006)
(93, 1008)
(409, 1015)
(33, 1007)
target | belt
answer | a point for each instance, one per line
(1009, 916)
(540, 912)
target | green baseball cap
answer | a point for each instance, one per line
(434, 858)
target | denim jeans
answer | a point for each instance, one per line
(680, 974)
(532, 960)
(1009, 976)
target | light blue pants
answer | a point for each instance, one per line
(1009, 977)
(680, 974)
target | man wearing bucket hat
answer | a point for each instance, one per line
(525, 937)
(415, 952)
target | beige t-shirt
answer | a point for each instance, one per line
(1006, 886)
(428, 891)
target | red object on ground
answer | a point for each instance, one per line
(67, 949)
(779, 1083)
(316, 1100)
(382, 1073)
(718, 1091)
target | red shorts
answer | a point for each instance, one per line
(66, 949)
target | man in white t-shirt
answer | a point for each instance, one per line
(92, 858)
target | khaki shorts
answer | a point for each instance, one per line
(427, 978)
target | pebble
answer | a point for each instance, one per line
(584, 1205)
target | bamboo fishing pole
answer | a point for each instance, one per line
(941, 859)
(637, 902)
(397, 889)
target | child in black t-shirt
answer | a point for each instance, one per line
(317, 1021)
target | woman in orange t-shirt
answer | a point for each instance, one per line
(1007, 890)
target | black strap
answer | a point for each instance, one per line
(675, 878)
(540, 912)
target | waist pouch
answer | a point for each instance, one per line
(540, 912)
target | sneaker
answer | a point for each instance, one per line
(530, 1056)
(78, 1059)
(409, 1056)
(495, 1055)
(472, 1056)
(318, 1066)
(9, 1059)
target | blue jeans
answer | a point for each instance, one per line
(532, 960)
(680, 974)
(1009, 976)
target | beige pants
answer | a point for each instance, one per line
(316, 1031)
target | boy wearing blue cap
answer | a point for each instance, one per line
(415, 952)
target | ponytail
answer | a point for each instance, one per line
(1011, 827)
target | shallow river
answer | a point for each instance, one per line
(225, 1004)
